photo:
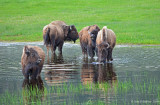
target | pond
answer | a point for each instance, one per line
(69, 79)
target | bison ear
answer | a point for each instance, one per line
(26, 50)
(66, 30)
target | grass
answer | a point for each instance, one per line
(133, 21)
(68, 92)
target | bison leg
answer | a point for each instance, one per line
(84, 49)
(96, 50)
(85, 52)
(53, 43)
(90, 51)
(109, 57)
(60, 46)
(54, 58)
(53, 48)
(34, 74)
(39, 70)
(48, 61)
(47, 50)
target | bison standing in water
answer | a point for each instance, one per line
(106, 41)
(56, 33)
(32, 61)
(87, 38)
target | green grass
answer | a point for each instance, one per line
(133, 21)
(46, 96)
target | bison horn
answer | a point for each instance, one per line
(39, 60)
(70, 27)
(89, 32)
(108, 45)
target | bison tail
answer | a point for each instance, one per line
(46, 38)
(104, 33)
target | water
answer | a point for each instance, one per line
(132, 78)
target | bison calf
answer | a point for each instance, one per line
(105, 41)
(32, 61)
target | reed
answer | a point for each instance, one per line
(36, 96)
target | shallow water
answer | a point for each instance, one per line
(132, 78)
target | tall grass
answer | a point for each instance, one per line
(112, 91)
(133, 21)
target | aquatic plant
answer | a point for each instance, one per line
(35, 96)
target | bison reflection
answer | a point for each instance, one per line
(106, 73)
(98, 77)
(97, 73)
(57, 71)
(33, 90)
(55, 59)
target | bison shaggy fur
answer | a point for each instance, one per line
(105, 42)
(87, 38)
(32, 61)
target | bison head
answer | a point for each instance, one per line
(71, 33)
(93, 36)
(32, 55)
(102, 52)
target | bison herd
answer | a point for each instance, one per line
(92, 40)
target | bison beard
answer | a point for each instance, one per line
(31, 70)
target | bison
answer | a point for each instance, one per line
(105, 42)
(87, 38)
(55, 33)
(32, 61)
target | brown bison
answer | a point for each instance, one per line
(32, 61)
(55, 33)
(87, 38)
(106, 41)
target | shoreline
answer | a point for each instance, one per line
(5, 43)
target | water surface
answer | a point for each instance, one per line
(132, 78)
